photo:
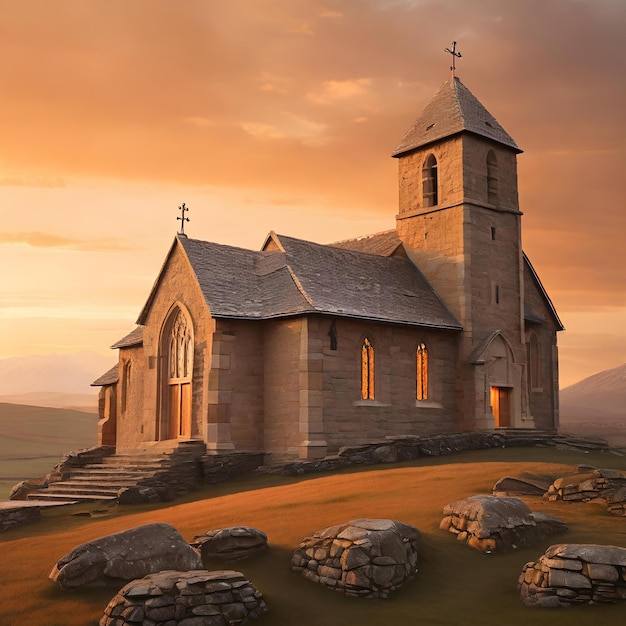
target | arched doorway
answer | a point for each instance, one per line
(176, 376)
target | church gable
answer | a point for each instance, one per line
(538, 308)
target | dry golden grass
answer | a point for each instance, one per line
(455, 585)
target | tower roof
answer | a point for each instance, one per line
(454, 109)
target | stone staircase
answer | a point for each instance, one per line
(169, 470)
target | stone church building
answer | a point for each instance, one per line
(439, 325)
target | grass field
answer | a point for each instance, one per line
(34, 439)
(455, 585)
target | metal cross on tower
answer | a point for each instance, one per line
(182, 218)
(455, 55)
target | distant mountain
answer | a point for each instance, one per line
(86, 402)
(59, 373)
(601, 397)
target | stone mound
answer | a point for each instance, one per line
(606, 484)
(191, 598)
(497, 524)
(125, 556)
(574, 574)
(520, 486)
(237, 542)
(362, 558)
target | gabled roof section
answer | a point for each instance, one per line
(295, 277)
(385, 243)
(134, 338)
(531, 312)
(366, 286)
(453, 110)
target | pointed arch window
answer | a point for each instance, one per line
(421, 369)
(177, 374)
(492, 178)
(430, 195)
(367, 370)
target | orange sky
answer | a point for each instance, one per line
(282, 114)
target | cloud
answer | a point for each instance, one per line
(29, 181)
(333, 91)
(47, 240)
(290, 126)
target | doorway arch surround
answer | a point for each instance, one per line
(176, 357)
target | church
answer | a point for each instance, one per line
(439, 325)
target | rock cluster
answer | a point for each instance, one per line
(606, 484)
(520, 486)
(571, 574)
(124, 556)
(363, 558)
(170, 598)
(237, 542)
(497, 524)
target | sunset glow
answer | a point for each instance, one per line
(281, 115)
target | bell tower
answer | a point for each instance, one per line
(460, 223)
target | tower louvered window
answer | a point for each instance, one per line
(430, 195)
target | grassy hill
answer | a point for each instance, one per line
(33, 439)
(455, 584)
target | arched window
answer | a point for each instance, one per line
(430, 196)
(125, 385)
(421, 371)
(492, 178)
(367, 370)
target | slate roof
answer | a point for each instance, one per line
(454, 109)
(384, 244)
(533, 315)
(305, 277)
(134, 338)
(108, 378)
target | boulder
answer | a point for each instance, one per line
(362, 558)
(497, 524)
(237, 542)
(574, 574)
(194, 597)
(124, 556)
(520, 486)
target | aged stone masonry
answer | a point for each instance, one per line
(574, 574)
(439, 324)
(171, 598)
(366, 558)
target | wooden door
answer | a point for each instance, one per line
(501, 406)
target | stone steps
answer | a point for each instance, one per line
(163, 468)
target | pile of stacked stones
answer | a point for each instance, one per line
(169, 598)
(363, 558)
(571, 574)
(606, 484)
(229, 544)
(497, 524)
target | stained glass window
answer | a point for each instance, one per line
(367, 370)
(422, 372)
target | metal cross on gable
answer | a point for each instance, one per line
(455, 55)
(182, 218)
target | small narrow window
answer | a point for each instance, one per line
(422, 372)
(493, 233)
(430, 196)
(492, 178)
(367, 370)
(496, 293)
(534, 363)
(125, 385)
(332, 333)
